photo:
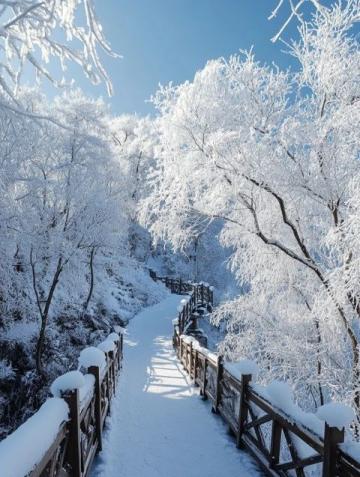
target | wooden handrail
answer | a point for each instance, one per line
(270, 435)
(200, 295)
(80, 438)
(259, 426)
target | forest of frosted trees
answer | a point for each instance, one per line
(247, 177)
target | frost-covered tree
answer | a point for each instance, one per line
(66, 203)
(69, 198)
(67, 274)
(51, 196)
(273, 155)
(200, 257)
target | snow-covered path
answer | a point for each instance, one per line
(158, 425)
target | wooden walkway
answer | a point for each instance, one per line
(158, 425)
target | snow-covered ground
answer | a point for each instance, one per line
(158, 425)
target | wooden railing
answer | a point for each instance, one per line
(282, 445)
(201, 297)
(80, 437)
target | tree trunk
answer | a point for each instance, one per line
(196, 271)
(91, 289)
(44, 315)
(319, 367)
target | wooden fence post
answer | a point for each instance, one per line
(275, 445)
(95, 371)
(190, 358)
(332, 437)
(121, 351)
(174, 337)
(195, 366)
(203, 389)
(112, 373)
(243, 411)
(73, 454)
(220, 367)
(119, 345)
(180, 349)
(107, 377)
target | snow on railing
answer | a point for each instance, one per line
(200, 296)
(63, 436)
(283, 438)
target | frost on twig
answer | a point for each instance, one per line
(31, 33)
(295, 12)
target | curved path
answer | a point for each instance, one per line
(158, 425)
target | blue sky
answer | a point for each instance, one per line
(169, 40)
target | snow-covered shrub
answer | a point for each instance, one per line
(6, 370)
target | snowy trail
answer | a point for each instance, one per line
(158, 425)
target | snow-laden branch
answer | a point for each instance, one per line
(30, 34)
(274, 158)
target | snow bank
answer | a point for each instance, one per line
(120, 330)
(92, 356)
(22, 331)
(188, 339)
(113, 337)
(86, 391)
(336, 414)
(67, 382)
(24, 448)
(107, 346)
(245, 366)
(279, 394)
(196, 345)
(209, 354)
(351, 448)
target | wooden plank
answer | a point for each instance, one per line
(349, 465)
(304, 434)
(46, 459)
(294, 453)
(243, 410)
(276, 431)
(333, 437)
(298, 465)
(95, 371)
(73, 455)
(219, 373)
(257, 422)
